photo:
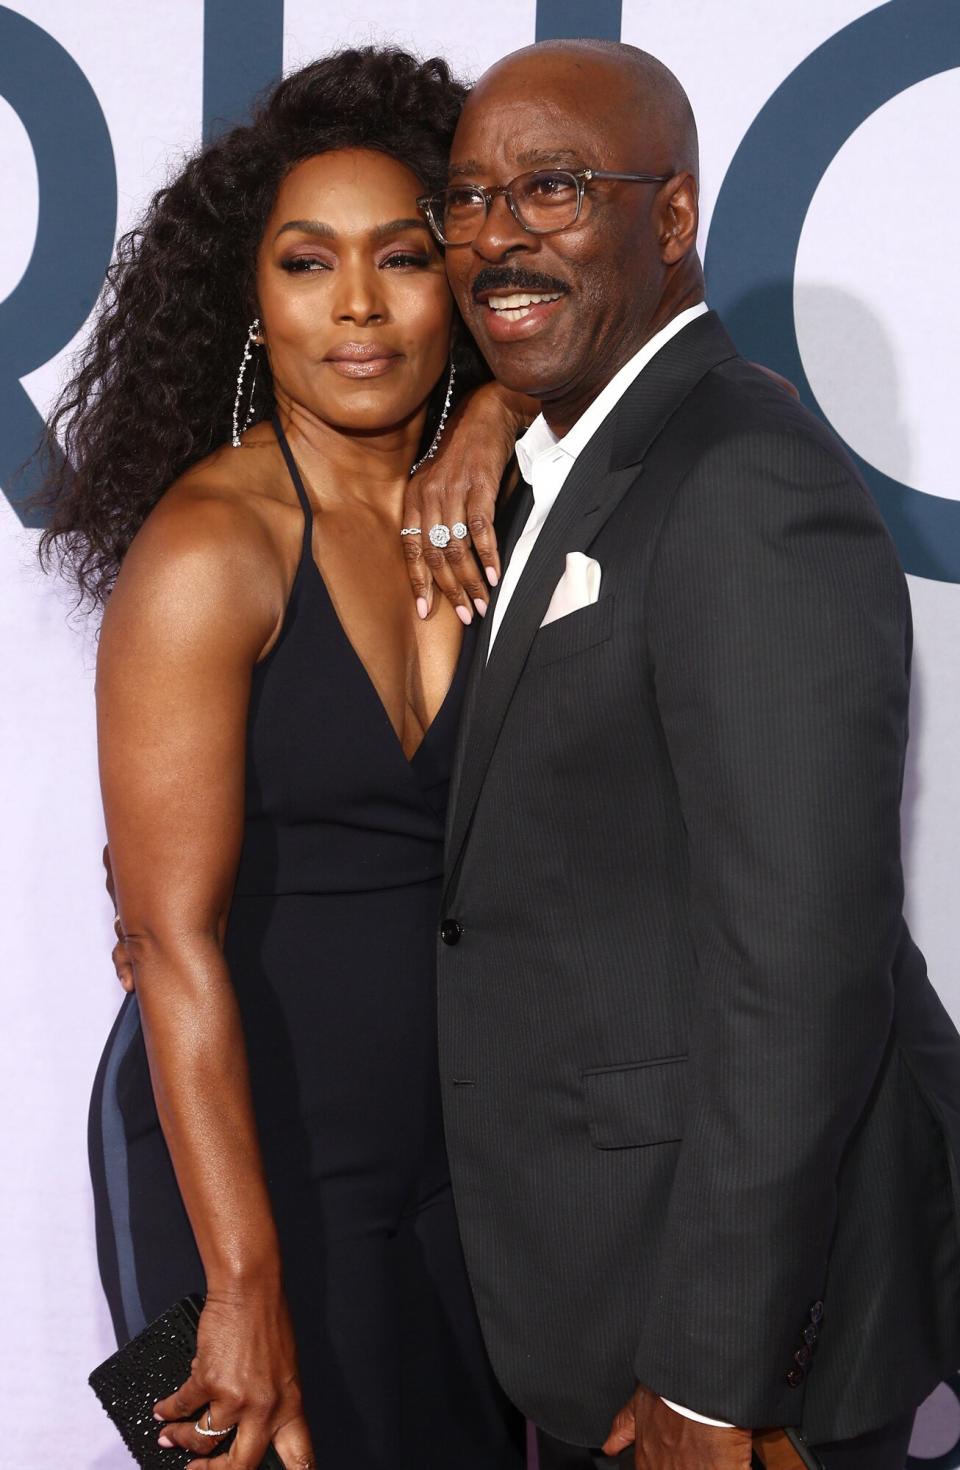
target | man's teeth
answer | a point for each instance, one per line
(515, 306)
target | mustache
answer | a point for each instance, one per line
(508, 278)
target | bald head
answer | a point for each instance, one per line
(630, 89)
(602, 133)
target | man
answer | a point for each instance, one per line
(701, 1101)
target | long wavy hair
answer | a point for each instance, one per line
(152, 392)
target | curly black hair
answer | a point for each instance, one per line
(153, 390)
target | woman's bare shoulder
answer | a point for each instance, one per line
(219, 547)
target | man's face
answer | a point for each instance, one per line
(602, 277)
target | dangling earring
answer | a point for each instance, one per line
(435, 442)
(252, 334)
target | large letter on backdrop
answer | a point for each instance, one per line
(242, 54)
(563, 19)
(767, 191)
(75, 229)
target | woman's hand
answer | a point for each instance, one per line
(122, 961)
(459, 487)
(244, 1374)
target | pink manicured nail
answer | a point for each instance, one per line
(165, 1442)
(492, 577)
(422, 607)
(480, 606)
(159, 1417)
(465, 615)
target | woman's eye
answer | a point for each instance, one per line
(407, 258)
(296, 264)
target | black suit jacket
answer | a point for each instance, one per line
(695, 1079)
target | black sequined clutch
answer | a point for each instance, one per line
(146, 1369)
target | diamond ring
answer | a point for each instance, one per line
(439, 536)
(210, 1432)
(459, 530)
(411, 531)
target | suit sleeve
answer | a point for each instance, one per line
(779, 635)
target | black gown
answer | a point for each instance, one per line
(330, 945)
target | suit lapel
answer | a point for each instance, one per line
(521, 503)
(591, 493)
(606, 468)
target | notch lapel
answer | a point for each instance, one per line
(590, 495)
(606, 468)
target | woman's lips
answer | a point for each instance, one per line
(362, 359)
(362, 367)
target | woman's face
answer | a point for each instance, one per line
(354, 305)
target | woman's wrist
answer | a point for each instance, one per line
(243, 1272)
(516, 408)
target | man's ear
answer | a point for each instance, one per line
(679, 218)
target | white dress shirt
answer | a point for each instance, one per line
(545, 462)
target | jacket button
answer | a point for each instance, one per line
(802, 1356)
(810, 1335)
(795, 1377)
(450, 931)
(816, 1313)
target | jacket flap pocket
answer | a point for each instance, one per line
(636, 1104)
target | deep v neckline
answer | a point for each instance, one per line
(308, 558)
(409, 760)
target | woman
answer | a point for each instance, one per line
(276, 730)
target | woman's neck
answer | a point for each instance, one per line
(340, 465)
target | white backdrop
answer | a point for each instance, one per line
(876, 320)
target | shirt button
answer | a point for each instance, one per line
(451, 931)
(816, 1313)
(795, 1377)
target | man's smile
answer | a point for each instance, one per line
(515, 304)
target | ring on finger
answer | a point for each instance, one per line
(439, 536)
(210, 1432)
(459, 530)
(411, 531)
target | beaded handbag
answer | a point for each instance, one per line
(149, 1367)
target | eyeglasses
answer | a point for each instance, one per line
(542, 202)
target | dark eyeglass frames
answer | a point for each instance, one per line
(541, 202)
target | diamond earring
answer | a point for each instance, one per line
(435, 442)
(251, 342)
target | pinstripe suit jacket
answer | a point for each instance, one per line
(695, 1078)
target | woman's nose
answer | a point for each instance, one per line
(359, 298)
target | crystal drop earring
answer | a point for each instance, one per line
(435, 441)
(251, 342)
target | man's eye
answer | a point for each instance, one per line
(297, 264)
(550, 186)
(462, 200)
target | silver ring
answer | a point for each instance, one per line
(439, 536)
(411, 531)
(459, 530)
(210, 1432)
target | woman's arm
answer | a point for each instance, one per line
(461, 484)
(191, 613)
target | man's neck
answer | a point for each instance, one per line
(562, 413)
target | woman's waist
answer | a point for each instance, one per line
(323, 861)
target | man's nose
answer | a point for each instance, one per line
(501, 233)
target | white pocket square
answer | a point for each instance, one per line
(578, 587)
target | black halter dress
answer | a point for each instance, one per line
(331, 951)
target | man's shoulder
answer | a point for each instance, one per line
(737, 401)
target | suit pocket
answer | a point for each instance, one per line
(637, 1104)
(572, 634)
